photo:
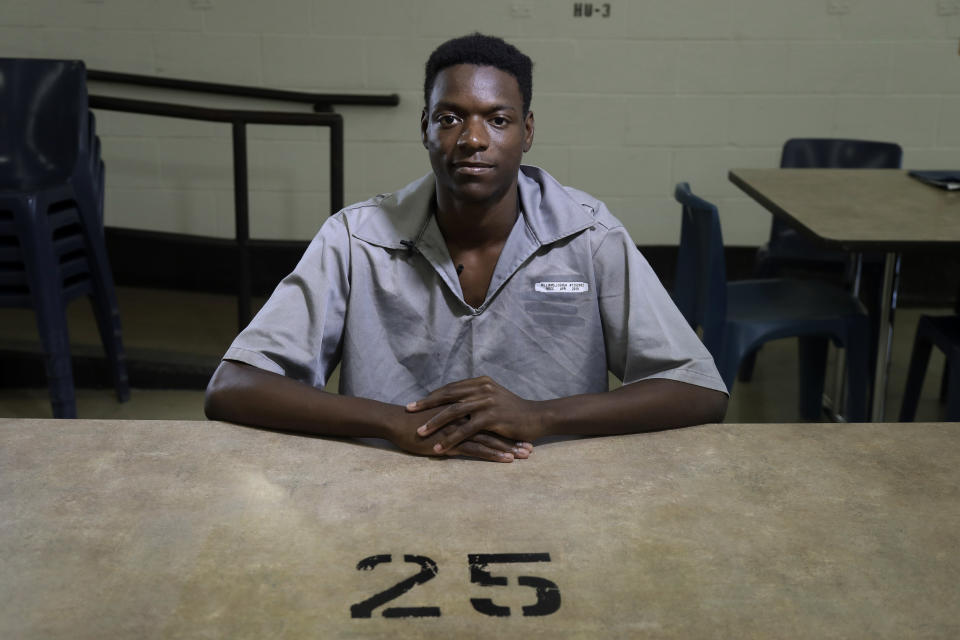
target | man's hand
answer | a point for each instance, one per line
(472, 407)
(482, 445)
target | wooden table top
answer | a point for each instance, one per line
(857, 209)
(157, 529)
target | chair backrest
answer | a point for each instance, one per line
(43, 120)
(832, 153)
(700, 288)
(837, 153)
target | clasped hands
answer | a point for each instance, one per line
(477, 418)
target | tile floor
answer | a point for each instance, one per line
(197, 328)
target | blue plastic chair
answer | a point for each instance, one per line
(52, 246)
(944, 333)
(737, 317)
(786, 247)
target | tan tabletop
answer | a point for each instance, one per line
(159, 529)
(875, 209)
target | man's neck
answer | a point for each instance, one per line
(475, 234)
(477, 225)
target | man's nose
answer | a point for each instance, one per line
(474, 134)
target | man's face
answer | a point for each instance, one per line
(476, 133)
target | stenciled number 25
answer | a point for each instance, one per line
(548, 593)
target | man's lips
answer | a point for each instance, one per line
(472, 168)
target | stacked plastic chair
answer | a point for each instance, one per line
(736, 318)
(52, 246)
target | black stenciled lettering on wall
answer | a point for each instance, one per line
(428, 571)
(589, 9)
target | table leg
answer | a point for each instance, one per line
(888, 305)
(836, 404)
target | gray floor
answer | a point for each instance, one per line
(198, 328)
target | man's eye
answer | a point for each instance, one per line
(500, 121)
(447, 120)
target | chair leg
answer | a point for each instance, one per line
(43, 274)
(54, 336)
(747, 365)
(858, 371)
(728, 363)
(944, 381)
(813, 367)
(108, 324)
(953, 394)
(919, 359)
(105, 307)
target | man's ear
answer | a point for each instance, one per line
(423, 127)
(528, 131)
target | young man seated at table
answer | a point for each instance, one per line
(475, 310)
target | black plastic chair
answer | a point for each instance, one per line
(737, 317)
(944, 333)
(51, 215)
(786, 247)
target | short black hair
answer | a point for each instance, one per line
(487, 51)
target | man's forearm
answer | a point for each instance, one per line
(247, 395)
(646, 405)
(481, 404)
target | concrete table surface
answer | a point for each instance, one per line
(156, 529)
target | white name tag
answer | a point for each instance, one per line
(561, 287)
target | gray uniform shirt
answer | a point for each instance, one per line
(570, 298)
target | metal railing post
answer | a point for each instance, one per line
(239, 119)
(241, 209)
(336, 166)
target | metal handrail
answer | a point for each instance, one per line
(322, 102)
(239, 119)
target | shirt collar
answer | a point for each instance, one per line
(550, 212)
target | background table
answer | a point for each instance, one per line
(882, 210)
(167, 529)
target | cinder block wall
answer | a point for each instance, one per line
(626, 105)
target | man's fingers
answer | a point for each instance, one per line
(520, 450)
(429, 402)
(438, 398)
(453, 434)
(447, 394)
(454, 412)
(475, 449)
